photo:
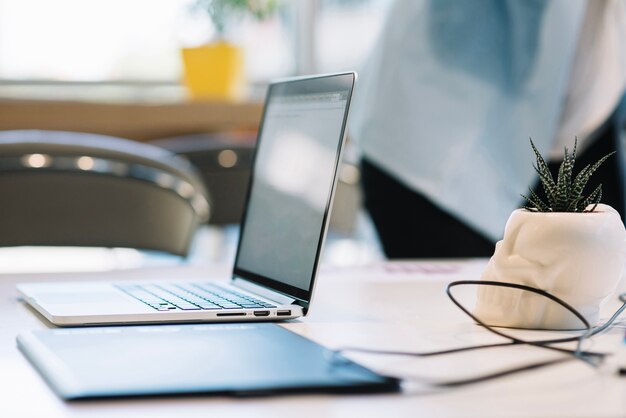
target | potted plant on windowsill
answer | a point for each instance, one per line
(569, 245)
(215, 70)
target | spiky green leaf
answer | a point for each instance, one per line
(542, 168)
(536, 202)
(593, 199)
(566, 193)
(547, 182)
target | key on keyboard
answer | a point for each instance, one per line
(191, 297)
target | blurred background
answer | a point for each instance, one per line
(126, 69)
(138, 44)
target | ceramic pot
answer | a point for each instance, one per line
(577, 257)
(214, 71)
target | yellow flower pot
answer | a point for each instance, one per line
(214, 71)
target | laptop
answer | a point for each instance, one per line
(293, 178)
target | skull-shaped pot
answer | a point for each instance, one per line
(577, 257)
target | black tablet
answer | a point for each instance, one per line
(235, 359)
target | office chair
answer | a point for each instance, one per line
(78, 189)
(224, 161)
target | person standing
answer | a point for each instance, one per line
(449, 98)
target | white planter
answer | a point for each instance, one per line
(577, 257)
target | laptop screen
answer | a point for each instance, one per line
(292, 182)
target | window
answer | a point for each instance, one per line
(139, 40)
(345, 32)
(112, 40)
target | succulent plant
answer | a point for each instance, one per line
(565, 194)
(220, 11)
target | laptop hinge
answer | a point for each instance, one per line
(270, 294)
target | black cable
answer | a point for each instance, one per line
(539, 343)
(486, 377)
(586, 356)
(452, 350)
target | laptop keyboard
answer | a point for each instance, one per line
(191, 297)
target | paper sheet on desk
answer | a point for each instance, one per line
(466, 269)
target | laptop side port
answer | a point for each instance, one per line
(284, 312)
(261, 313)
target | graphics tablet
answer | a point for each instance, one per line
(235, 359)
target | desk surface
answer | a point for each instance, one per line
(394, 306)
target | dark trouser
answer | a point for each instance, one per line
(410, 226)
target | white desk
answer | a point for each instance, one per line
(401, 307)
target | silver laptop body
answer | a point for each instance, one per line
(283, 228)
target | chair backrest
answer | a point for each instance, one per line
(224, 162)
(77, 189)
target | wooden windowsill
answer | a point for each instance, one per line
(139, 111)
(138, 121)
